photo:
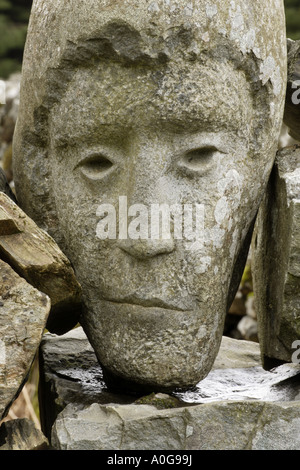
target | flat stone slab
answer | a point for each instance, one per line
(233, 401)
(212, 426)
(23, 316)
(34, 255)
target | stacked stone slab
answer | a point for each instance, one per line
(276, 262)
(238, 406)
(222, 425)
(23, 314)
(38, 288)
(36, 257)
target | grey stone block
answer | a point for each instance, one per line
(237, 406)
(276, 261)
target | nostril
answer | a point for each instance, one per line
(143, 249)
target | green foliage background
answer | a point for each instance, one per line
(14, 15)
(292, 11)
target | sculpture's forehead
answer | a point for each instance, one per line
(135, 28)
(186, 95)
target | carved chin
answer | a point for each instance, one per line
(144, 349)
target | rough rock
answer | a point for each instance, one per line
(212, 426)
(247, 327)
(4, 186)
(21, 434)
(292, 102)
(23, 315)
(34, 255)
(70, 373)
(76, 403)
(276, 262)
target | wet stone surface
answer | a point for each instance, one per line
(70, 375)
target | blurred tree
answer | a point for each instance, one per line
(292, 10)
(14, 16)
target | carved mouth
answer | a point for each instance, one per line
(148, 303)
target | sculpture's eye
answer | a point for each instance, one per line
(96, 166)
(199, 160)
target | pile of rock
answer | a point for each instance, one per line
(238, 406)
(38, 289)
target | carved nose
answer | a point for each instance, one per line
(143, 249)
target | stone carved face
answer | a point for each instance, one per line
(180, 128)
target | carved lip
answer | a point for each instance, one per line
(148, 303)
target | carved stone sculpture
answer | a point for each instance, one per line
(135, 110)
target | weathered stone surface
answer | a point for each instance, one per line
(70, 373)
(23, 315)
(71, 385)
(237, 354)
(213, 426)
(35, 256)
(247, 327)
(21, 434)
(292, 102)
(160, 103)
(254, 383)
(276, 261)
